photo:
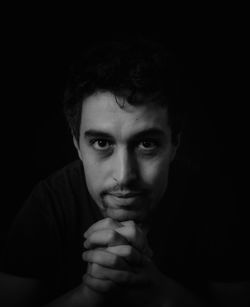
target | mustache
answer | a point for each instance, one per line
(122, 190)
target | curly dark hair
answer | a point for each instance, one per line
(139, 71)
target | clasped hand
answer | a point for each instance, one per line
(119, 259)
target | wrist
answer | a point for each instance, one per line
(87, 296)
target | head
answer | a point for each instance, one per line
(122, 108)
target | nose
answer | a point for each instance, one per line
(125, 167)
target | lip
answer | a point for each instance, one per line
(126, 195)
(129, 200)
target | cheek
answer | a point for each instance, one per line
(155, 172)
(96, 174)
(93, 174)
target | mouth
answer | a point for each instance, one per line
(126, 194)
(125, 213)
(128, 200)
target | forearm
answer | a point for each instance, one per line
(217, 294)
(81, 296)
(172, 293)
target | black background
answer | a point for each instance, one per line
(38, 43)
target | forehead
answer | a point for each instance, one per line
(105, 112)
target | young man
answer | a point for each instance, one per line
(119, 226)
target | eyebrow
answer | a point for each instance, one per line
(151, 132)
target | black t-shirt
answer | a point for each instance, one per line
(46, 238)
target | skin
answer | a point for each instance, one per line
(120, 265)
(119, 256)
(126, 154)
(117, 252)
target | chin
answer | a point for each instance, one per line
(123, 215)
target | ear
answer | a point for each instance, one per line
(77, 148)
(175, 147)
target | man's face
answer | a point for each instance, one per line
(126, 154)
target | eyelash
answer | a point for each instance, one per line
(95, 141)
(110, 144)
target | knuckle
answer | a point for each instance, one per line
(112, 224)
(109, 221)
(114, 261)
(87, 256)
(133, 230)
(111, 235)
(96, 257)
(131, 255)
(94, 269)
(131, 223)
(128, 250)
(101, 257)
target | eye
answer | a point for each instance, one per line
(101, 144)
(148, 145)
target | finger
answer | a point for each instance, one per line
(128, 252)
(106, 223)
(106, 259)
(106, 237)
(142, 234)
(117, 276)
(135, 236)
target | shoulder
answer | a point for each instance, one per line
(68, 180)
(61, 194)
(70, 173)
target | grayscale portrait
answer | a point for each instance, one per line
(121, 185)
